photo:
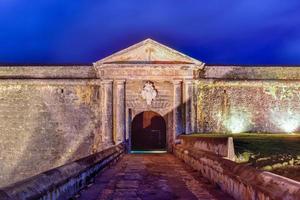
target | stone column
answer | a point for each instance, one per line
(177, 108)
(107, 112)
(119, 111)
(188, 102)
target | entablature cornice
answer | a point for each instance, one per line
(148, 71)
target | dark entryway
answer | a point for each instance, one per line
(148, 132)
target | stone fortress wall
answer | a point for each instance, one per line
(47, 118)
(248, 99)
(52, 115)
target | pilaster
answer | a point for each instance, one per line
(177, 108)
(107, 111)
(119, 121)
(188, 103)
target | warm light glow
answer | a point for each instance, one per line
(150, 152)
(290, 125)
(238, 122)
(287, 121)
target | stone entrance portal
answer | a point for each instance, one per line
(147, 76)
(148, 132)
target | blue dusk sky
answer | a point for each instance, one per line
(264, 32)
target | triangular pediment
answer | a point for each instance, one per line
(149, 51)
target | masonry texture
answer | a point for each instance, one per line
(151, 176)
(46, 125)
(51, 115)
(269, 106)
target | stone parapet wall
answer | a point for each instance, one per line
(65, 181)
(240, 181)
(54, 72)
(252, 72)
(220, 146)
(209, 72)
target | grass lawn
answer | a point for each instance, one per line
(266, 144)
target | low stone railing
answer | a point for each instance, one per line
(240, 181)
(222, 146)
(62, 182)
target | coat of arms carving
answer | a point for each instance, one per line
(149, 92)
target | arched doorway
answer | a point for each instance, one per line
(148, 132)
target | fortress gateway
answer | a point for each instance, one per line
(145, 95)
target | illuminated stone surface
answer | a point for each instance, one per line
(51, 115)
(151, 176)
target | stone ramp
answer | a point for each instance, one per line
(150, 176)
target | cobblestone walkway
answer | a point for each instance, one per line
(150, 176)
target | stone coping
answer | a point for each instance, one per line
(221, 146)
(52, 82)
(252, 72)
(240, 181)
(50, 72)
(62, 182)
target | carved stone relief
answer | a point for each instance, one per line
(149, 92)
